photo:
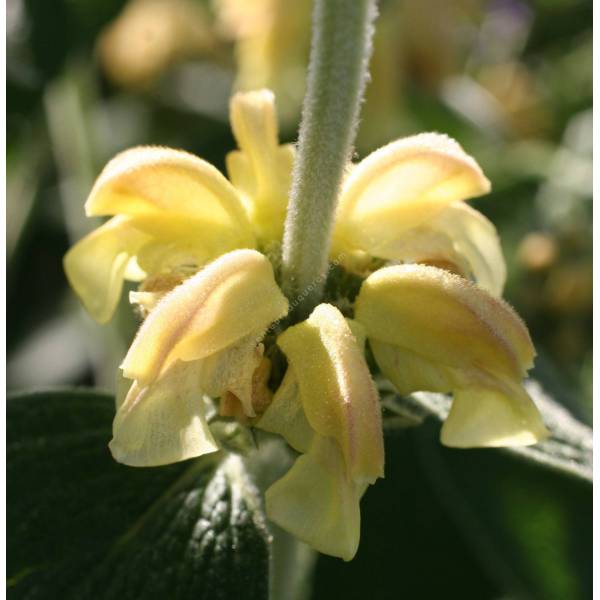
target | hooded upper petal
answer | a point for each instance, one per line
(152, 179)
(203, 337)
(401, 186)
(261, 169)
(436, 312)
(327, 408)
(432, 330)
(234, 296)
(337, 393)
(96, 265)
(175, 212)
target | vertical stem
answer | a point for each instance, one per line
(338, 71)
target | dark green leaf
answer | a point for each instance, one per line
(529, 527)
(82, 526)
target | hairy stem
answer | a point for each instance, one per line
(338, 71)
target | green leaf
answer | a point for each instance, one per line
(529, 526)
(82, 526)
(568, 449)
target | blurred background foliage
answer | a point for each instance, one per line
(510, 79)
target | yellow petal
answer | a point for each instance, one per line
(410, 372)
(401, 186)
(97, 264)
(254, 125)
(482, 417)
(458, 236)
(317, 503)
(431, 330)
(229, 299)
(444, 319)
(486, 411)
(182, 243)
(261, 169)
(475, 239)
(338, 394)
(285, 415)
(162, 423)
(427, 246)
(155, 180)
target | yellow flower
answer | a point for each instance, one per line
(199, 244)
(404, 203)
(429, 328)
(326, 408)
(433, 330)
(149, 36)
(202, 338)
(174, 212)
(271, 41)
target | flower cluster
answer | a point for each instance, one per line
(201, 246)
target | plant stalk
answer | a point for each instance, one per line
(342, 33)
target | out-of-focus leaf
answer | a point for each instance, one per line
(24, 169)
(82, 526)
(61, 28)
(529, 527)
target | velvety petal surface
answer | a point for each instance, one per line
(338, 395)
(445, 319)
(232, 297)
(154, 180)
(431, 330)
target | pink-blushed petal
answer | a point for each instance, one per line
(232, 297)
(338, 395)
(154, 180)
(431, 330)
(445, 319)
